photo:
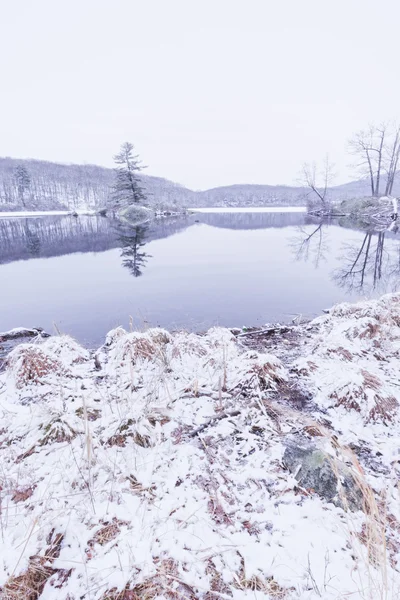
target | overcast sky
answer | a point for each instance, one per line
(211, 92)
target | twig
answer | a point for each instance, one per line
(233, 413)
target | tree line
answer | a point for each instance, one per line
(376, 152)
(37, 184)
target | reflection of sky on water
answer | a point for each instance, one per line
(234, 270)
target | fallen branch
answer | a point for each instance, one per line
(268, 331)
(213, 420)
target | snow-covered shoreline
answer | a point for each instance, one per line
(248, 209)
(251, 209)
(169, 466)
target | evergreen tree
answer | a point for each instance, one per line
(127, 189)
(23, 182)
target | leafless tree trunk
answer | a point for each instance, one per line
(393, 157)
(318, 182)
(381, 133)
(361, 146)
(378, 150)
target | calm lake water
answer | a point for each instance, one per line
(87, 275)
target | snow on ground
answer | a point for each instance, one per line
(155, 468)
(251, 209)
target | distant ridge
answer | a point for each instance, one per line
(57, 185)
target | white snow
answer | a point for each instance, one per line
(162, 470)
(251, 209)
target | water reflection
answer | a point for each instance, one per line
(227, 269)
(132, 240)
(369, 264)
(310, 245)
(33, 242)
(366, 264)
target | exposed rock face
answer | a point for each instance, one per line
(10, 339)
(316, 470)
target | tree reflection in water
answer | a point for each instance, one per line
(370, 264)
(131, 240)
(33, 243)
(365, 265)
(312, 245)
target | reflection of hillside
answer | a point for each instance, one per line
(22, 239)
(252, 220)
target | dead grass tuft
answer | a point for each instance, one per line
(160, 337)
(369, 331)
(128, 431)
(349, 399)
(30, 585)
(92, 414)
(342, 353)
(166, 584)
(218, 513)
(57, 431)
(257, 583)
(267, 586)
(217, 584)
(384, 410)
(371, 381)
(31, 364)
(23, 494)
(107, 533)
(138, 347)
(188, 344)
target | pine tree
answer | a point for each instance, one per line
(23, 182)
(127, 189)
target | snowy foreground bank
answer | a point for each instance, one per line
(195, 467)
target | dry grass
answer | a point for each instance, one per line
(257, 583)
(23, 494)
(31, 364)
(166, 583)
(342, 353)
(30, 585)
(358, 397)
(57, 431)
(378, 537)
(267, 374)
(128, 431)
(107, 533)
(136, 348)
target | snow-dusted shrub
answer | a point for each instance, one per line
(31, 364)
(66, 348)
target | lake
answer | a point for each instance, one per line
(83, 276)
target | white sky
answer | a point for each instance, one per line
(211, 92)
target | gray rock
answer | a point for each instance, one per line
(315, 470)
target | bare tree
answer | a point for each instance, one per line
(318, 181)
(392, 159)
(377, 151)
(360, 146)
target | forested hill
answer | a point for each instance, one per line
(55, 186)
(37, 184)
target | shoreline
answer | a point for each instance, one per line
(224, 463)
